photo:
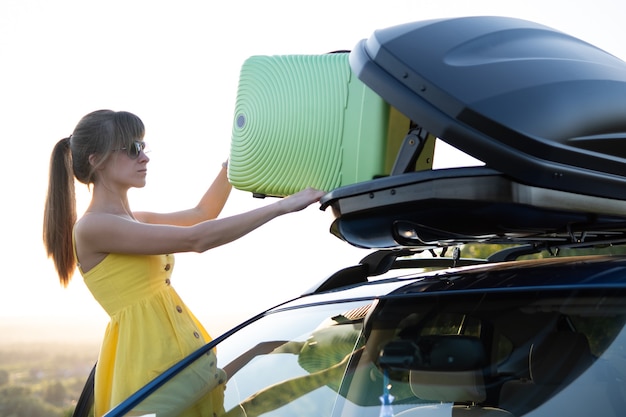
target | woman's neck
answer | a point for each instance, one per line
(105, 200)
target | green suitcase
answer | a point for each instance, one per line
(307, 120)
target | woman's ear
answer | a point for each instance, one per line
(94, 161)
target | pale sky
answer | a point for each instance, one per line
(176, 65)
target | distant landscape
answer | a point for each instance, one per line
(44, 363)
(44, 366)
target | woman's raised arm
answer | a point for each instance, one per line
(209, 207)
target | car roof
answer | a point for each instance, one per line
(558, 273)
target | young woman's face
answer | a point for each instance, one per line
(127, 167)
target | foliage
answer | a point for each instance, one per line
(483, 251)
(19, 401)
(4, 377)
(55, 393)
(43, 381)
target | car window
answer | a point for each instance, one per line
(536, 353)
(533, 353)
(294, 361)
(287, 363)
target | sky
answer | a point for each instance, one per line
(176, 65)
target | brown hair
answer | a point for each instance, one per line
(97, 133)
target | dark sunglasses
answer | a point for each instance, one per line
(134, 150)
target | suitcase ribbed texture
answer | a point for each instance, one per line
(305, 120)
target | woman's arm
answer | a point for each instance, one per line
(101, 233)
(209, 207)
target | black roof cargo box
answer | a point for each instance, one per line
(535, 103)
(544, 111)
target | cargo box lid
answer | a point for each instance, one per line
(541, 106)
(544, 111)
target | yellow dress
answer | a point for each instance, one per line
(150, 330)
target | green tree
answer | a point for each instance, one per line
(18, 401)
(483, 251)
(4, 377)
(55, 393)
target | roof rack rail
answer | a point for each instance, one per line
(513, 253)
(384, 260)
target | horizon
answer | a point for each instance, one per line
(65, 58)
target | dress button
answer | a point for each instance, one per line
(168, 267)
(179, 309)
(197, 335)
(167, 281)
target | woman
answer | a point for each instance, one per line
(125, 257)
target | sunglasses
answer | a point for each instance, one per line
(134, 150)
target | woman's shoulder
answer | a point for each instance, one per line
(94, 220)
(96, 235)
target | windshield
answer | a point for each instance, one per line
(291, 362)
(527, 353)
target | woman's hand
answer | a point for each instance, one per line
(300, 200)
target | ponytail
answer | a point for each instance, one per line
(97, 133)
(60, 212)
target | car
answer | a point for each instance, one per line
(422, 326)
(538, 337)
